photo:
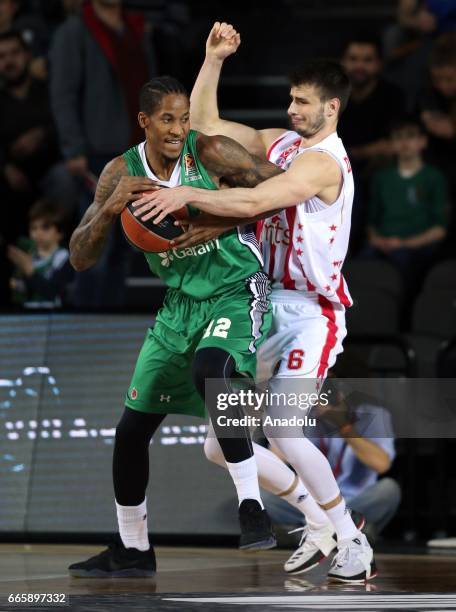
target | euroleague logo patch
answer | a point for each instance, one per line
(191, 170)
(133, 393)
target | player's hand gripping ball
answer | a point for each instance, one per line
(146, 236)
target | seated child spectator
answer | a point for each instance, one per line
(43, 269)
(408, 207)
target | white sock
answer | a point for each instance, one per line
(302, 500)
(342, 521)
(245, 478)
(276, 477)
(133, 526)
(311, 466)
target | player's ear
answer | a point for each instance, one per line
(332, 107)
(143, 120)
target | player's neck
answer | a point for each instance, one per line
(110, 15)
(318, 137)
(161, 166)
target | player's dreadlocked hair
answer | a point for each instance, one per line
(153, 91)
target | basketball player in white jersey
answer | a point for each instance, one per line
(304, 247)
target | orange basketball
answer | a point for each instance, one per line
(146, 236)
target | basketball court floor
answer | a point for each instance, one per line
(224, 580)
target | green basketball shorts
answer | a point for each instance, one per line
(237, 322)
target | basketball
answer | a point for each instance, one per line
(146, 236)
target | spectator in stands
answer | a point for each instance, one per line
(407, 43)
(357, 437)
(408, 207)
(99, 61)
(364, 125)
(33, 30)
(428, 16)
(29, 152)
(373, 103)
(438, 107)
(42, 267)
(72, 6)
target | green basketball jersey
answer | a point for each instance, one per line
(205, 270)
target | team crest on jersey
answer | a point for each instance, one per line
(190, 168)
(281, 160)
(133, 393)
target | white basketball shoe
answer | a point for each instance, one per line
(354, 561)
(314, 546)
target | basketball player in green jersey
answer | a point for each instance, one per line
(215, 314)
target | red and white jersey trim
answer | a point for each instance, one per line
(304, 247)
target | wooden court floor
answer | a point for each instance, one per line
(225, 580)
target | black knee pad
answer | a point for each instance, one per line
(211, 363)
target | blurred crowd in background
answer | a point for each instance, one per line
(70, 72)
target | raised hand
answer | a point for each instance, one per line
(223, 41)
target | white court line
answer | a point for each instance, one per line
(336, 602)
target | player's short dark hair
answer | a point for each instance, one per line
(444, 51)
(153, 91)
(49, 212)
(364, 38)
(14, 35)
(326, 74)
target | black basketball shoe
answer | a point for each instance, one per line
(117, 562)
(256, 528)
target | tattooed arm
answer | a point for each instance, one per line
(226, 159)
(114, 190)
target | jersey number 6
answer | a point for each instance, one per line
(295, 359)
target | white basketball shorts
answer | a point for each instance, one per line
(305, 338)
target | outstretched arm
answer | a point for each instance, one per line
(317, 175)
(114, 190)
(228, 160)
(222, 42)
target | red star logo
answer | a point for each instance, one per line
(327, 288)
(334, 276)
(299, 225)
(299, 239)
(333, 228)
(299, 252)
(331, 240)
(275, 219)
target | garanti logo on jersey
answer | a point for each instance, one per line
(201, 249)
(191, 170)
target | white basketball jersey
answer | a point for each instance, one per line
(304, 247)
